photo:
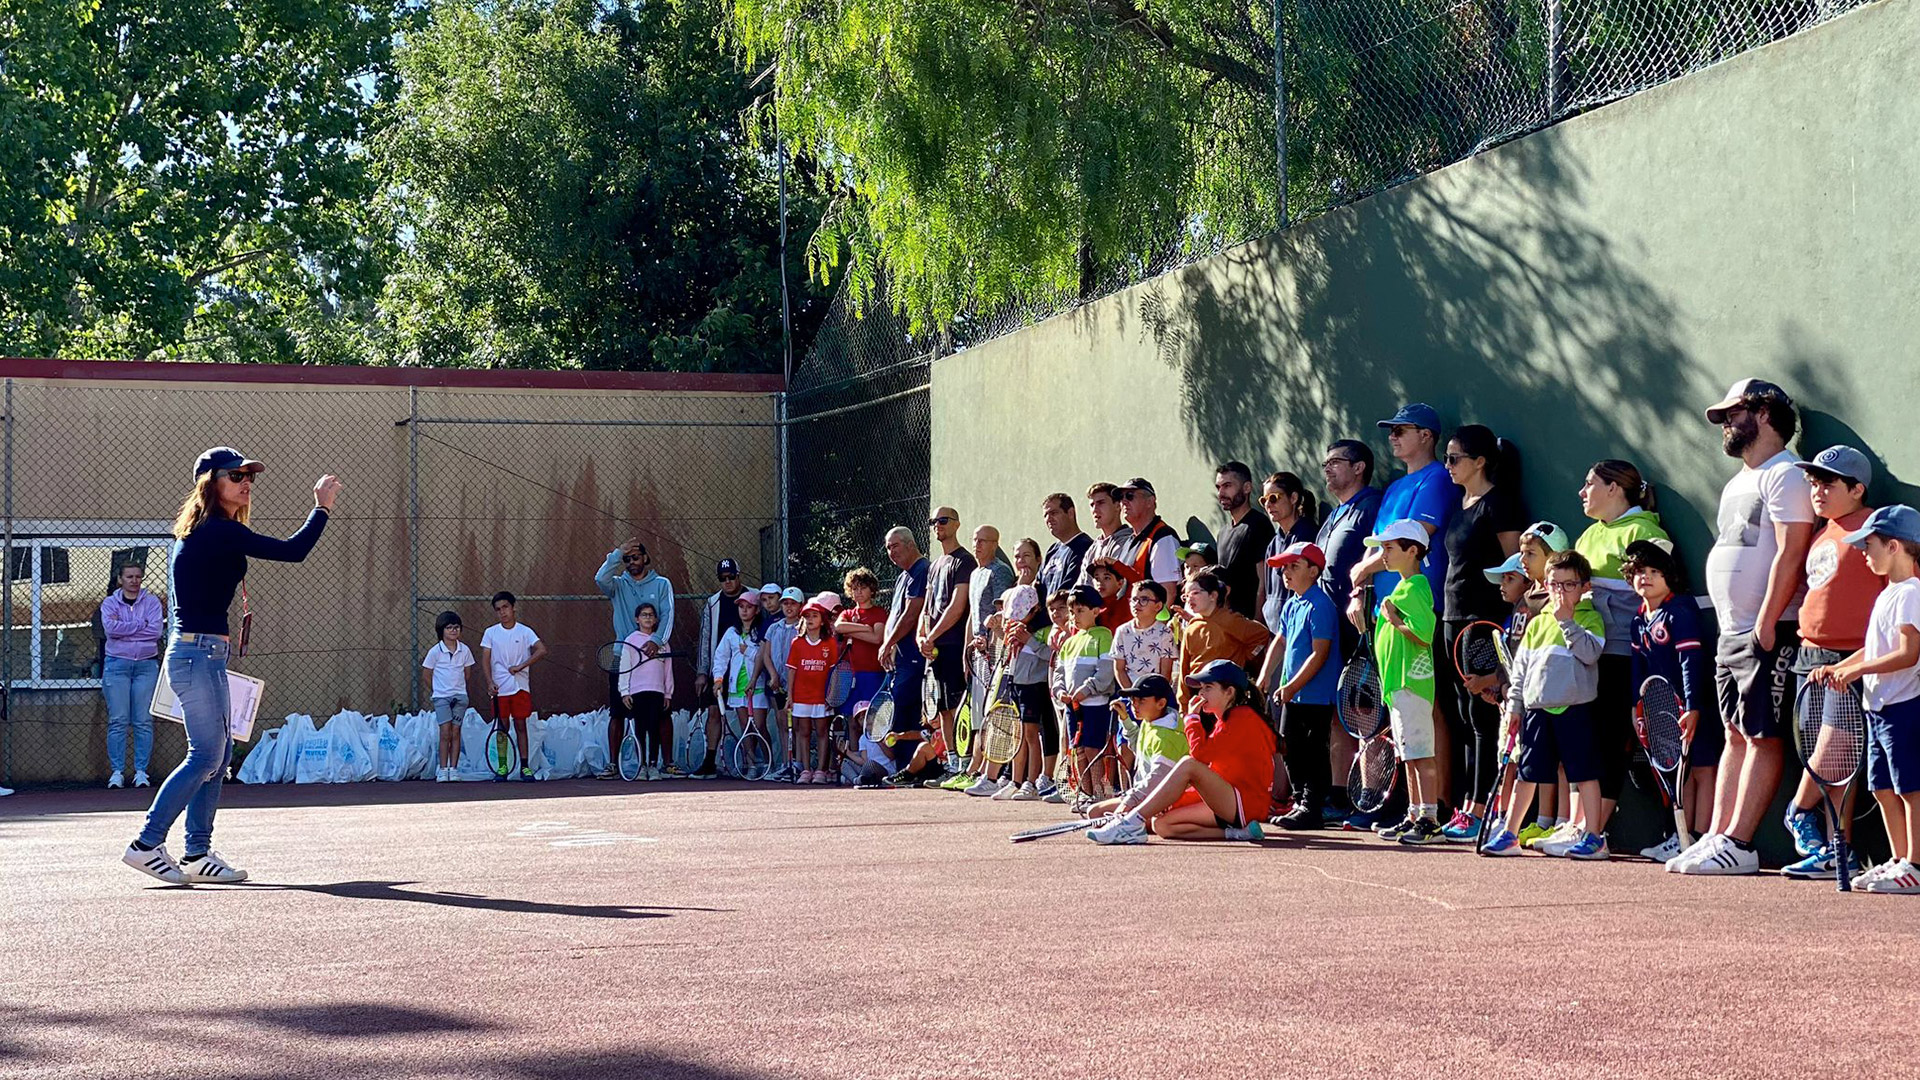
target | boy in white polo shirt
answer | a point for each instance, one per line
(445, 673)
(507, 650)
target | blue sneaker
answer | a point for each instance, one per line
(1820, 866)
(1591, 846)
(1463, 828)
(1502, 842)
(1332, 815)
(1809, 838)
(1358, 822)
(1252, 832)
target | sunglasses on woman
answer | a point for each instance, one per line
(238, 476)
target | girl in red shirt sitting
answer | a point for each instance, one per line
(1223, 788)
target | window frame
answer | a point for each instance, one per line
(40, 535)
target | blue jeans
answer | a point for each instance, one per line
(128, 685)
(197, 672)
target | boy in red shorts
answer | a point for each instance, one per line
(507, 650)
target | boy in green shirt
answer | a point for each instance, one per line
(1403, 648)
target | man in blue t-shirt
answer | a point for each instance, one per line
(1426, 496)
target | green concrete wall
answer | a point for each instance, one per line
(1585, 291)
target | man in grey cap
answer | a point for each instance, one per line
(1755, 579)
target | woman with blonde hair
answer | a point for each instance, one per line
(211, 545)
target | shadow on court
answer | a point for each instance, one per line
(393, 891)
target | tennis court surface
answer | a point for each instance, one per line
(581, 929)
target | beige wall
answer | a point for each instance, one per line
(526, 507)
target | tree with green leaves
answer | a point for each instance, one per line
(575, 188)
(187, 178)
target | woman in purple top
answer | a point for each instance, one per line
(133, 620)
(211, 546)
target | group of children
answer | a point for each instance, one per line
(1203, 760)
(507, 649)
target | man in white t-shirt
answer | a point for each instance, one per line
(507, 650)
(1755, 577)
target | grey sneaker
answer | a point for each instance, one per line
(1025, 793)
(985, 787)
(1125, 829)
(117, 780)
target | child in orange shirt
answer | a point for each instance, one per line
(1222, 788)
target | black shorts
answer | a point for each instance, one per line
(949, 674)
(1036, 707)
(1755, 685)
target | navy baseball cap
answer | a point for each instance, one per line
(1219, 671)
(1418, 413)
(727, 566)
(1087, 596)
(1842, 461)
(1152, 686)
(1201, 548)
(224, 457)
(1138, 483)
(1898, 522)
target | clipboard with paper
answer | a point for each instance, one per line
(243, 703)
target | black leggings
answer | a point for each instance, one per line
(1303, 736)
(616, 718)
(1475, 723)
(1036, 706)
(1613, 735)
(652, 726)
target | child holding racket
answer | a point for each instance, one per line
(1888, 669)
(1666, 642)
(507, 650)
(1163, 742)
(1303, 680)
(645, 690)
(445, 672)
(1403, 649)
(1555, 676)
(809, 661)
(1220, 789)
(1841, 588)
(735, 673)
(1086, 667)
(1538, 543)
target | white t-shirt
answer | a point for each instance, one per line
(1897, 605)
(511, 647)
(1743, 552)
(1163, 565)
(449, 669)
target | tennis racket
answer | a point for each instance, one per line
(1371, 779)
(1057, 829)
(880, 711)
(752, 754)
(840, 679)
(1496, 803)
(617, 658)
(502, 755)
(963, 728)
(1000, 731)
(1830, 729)
(1658, 723)
(1361, 707)
(1480, 651)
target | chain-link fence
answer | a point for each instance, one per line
(450, 496)
(860, 433)
(1377, 92)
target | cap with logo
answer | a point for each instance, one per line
(1897, 522)
(1297, 551)
(1740, 391)
(1405, 529)
(1552, 535)
(793, 593)
(1151, 686)
(1842, 461)
(224, 457)
(727, 568)
(1416, 414)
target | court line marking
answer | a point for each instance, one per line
(1442, 904)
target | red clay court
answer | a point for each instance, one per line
(582, 929)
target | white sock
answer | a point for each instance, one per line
(1559, 821)
(1425, 811)
(1133, 817)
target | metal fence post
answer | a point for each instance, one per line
(1280, 105)
(413, 538)
(1556, 88)
(6, 621)
(786, 487)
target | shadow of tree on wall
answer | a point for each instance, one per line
(1816, 373)
(1510, 310)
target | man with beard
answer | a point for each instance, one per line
(627, 578)
(718, 614)
(942, 637)
(1103, 502)
(1755, 577)
(1243, 546)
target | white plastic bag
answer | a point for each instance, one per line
(389, 754)
(474, 730)
(559, 747)
(593, 758)
(258, 767)
(419, 745)
(349, 749)
(309, 752)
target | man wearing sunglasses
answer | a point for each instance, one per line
(943, 622)
(1154, 552)
(1348, 469)
(627, 578)
(718, 614)
(1243, 546)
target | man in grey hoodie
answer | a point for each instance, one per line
(628, 579)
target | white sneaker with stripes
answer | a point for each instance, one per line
(1897, 876)
(1724, 857)
(156, 864)
(211, 869)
